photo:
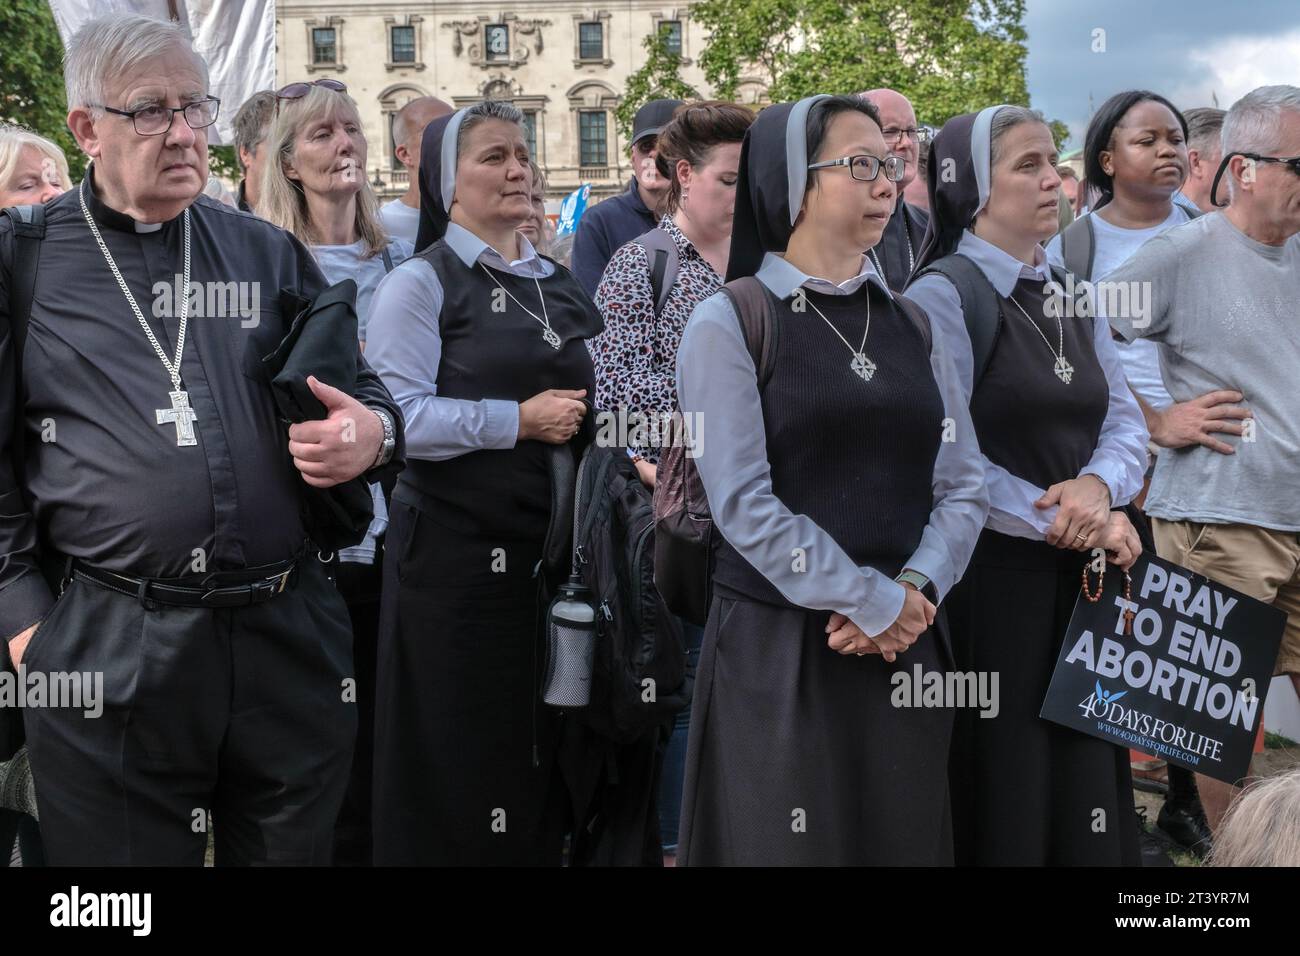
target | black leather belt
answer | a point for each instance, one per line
(217, 589)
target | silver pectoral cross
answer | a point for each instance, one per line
(182, 416)
(863, 366)
(1063, 369)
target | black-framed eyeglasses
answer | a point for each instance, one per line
(1292, 162)
(155, 119)
(865, 168)
(894, 134)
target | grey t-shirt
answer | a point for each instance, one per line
(1225, 312)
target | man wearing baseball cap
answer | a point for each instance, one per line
(620, 219)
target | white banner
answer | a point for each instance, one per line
(235, 37)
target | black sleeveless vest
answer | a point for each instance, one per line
(493, 349)
(856, 457)
(1027, 420)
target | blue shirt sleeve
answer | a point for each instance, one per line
(404, 346)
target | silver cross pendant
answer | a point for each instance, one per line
(1063, 369)
(862, 366)
(182, 416)
(551, 338)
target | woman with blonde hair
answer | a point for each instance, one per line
(32, 168)
(318, 189)
(315, 187)
(1262, 827)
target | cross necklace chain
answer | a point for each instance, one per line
(862, 366)
(549, 335)
(1062, 367)
(180, 414)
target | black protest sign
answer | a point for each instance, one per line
(1186, 685)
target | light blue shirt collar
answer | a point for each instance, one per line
(782, 278)
(469, 248)
(1002, 269)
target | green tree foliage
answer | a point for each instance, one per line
(659, 78)
(946, 56)
(31, 75)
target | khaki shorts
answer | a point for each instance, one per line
(1259, 562)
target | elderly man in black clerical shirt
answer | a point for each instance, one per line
(152, 529)
(895, 256)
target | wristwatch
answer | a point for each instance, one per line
(921, 583)
(389, 443)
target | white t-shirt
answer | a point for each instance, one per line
(345, 262)
(400, 220)
(1114, 245)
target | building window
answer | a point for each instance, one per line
(530, 134)
(324, 45)
(496, 39)
(403, 45)
(591, 40)
(671, 32)
(591, 137)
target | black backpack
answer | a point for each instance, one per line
(29, 230)
(638, 676)
(661, 252)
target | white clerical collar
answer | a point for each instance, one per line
(782, 278)
(469, 248)
(1002, 269)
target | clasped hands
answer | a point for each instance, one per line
(1084, 520)
(917, 615)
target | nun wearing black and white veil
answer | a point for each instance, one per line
(482, 342)
(855, 466)
(1065, 446)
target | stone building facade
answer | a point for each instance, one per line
(563, 63)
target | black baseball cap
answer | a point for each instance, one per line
(653, 117)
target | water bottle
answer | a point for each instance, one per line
(571, 642)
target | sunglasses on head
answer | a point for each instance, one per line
(1293, 162)
(296, 91)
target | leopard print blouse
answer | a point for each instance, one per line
(636, 355)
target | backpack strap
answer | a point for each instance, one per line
(29, 230)
(1079, 247)
(388, 260)
(981, 307)
(756, 311)
(661, 251)
(919, 319)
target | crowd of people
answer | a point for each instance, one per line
(924, 489)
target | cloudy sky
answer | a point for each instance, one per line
(1186, 50)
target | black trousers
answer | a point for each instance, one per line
(234, 715)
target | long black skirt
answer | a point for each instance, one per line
(1030, 792)
(798, 756)
(464, 752)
